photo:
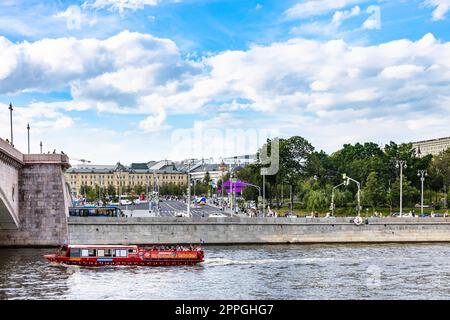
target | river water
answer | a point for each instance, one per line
(388, 271)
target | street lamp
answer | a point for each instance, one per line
(10, 117)
(264, 172)
(401, 164)
(422, 174)
(189, 162)
(40, 145)
(347, 182)
(332, 206)
(257, 187)
(28, 129)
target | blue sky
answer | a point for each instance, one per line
(135, 80)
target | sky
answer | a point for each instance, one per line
(141, 80)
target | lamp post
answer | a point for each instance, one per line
(359, 190)
(10, 117)
(40, 145)
(101, 181)
(189, 162)
(401, 164)
(231, 190)
(257, 187)
(264, 171)
(422, 174)
(28, 129)
(332, 206)
(120, 187)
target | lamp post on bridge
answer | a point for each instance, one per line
(40, 145)
(28, 129)
(10, 117)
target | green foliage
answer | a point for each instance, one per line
(411, 195)
(313, 174)
(172, 189)
(316, 200)
(373, 194)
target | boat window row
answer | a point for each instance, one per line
(86, 253)
(95, 212)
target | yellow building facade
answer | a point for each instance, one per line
(122, 176)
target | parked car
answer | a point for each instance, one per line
(181, 214)
(425, 215)
(217, 215)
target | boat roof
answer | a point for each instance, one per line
(101, 246)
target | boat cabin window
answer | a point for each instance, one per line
(120, 253)
(108, 253)
(100, 253)
(85, 253)
(92, 252)
(75, 253)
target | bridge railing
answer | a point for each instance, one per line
(10, 151)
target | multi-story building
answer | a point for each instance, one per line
(433, 146)
(199, 168)
(150, 174)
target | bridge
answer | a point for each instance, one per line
(34, 198)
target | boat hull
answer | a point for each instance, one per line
(93, 262)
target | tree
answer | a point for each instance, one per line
(440, 166)
(373, 193)
(207, 178)
(410, 193)
(316, 200)
(111, 190)
(294, 155)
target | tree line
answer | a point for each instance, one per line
(307, 176)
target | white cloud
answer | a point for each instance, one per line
(154, 123)
(318, 7)
(340, 16)
(120, 5)
(317, 84)
(401, 71)
(441, 8)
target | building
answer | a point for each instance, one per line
(150, 174)
(433, 146)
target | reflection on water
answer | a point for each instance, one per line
(419, 271)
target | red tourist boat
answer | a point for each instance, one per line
(101, 255)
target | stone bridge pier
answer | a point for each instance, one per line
(34, 198)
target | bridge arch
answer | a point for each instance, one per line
(11, 161)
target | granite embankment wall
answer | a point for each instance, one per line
(43, 205)
(255, 230)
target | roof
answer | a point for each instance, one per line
(139, 166)
(431, 140)
(207, 167)
(91, 168)
(101, 246)
(164, 166)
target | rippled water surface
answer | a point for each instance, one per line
(419, 271)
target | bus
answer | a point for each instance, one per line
(92, 211)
